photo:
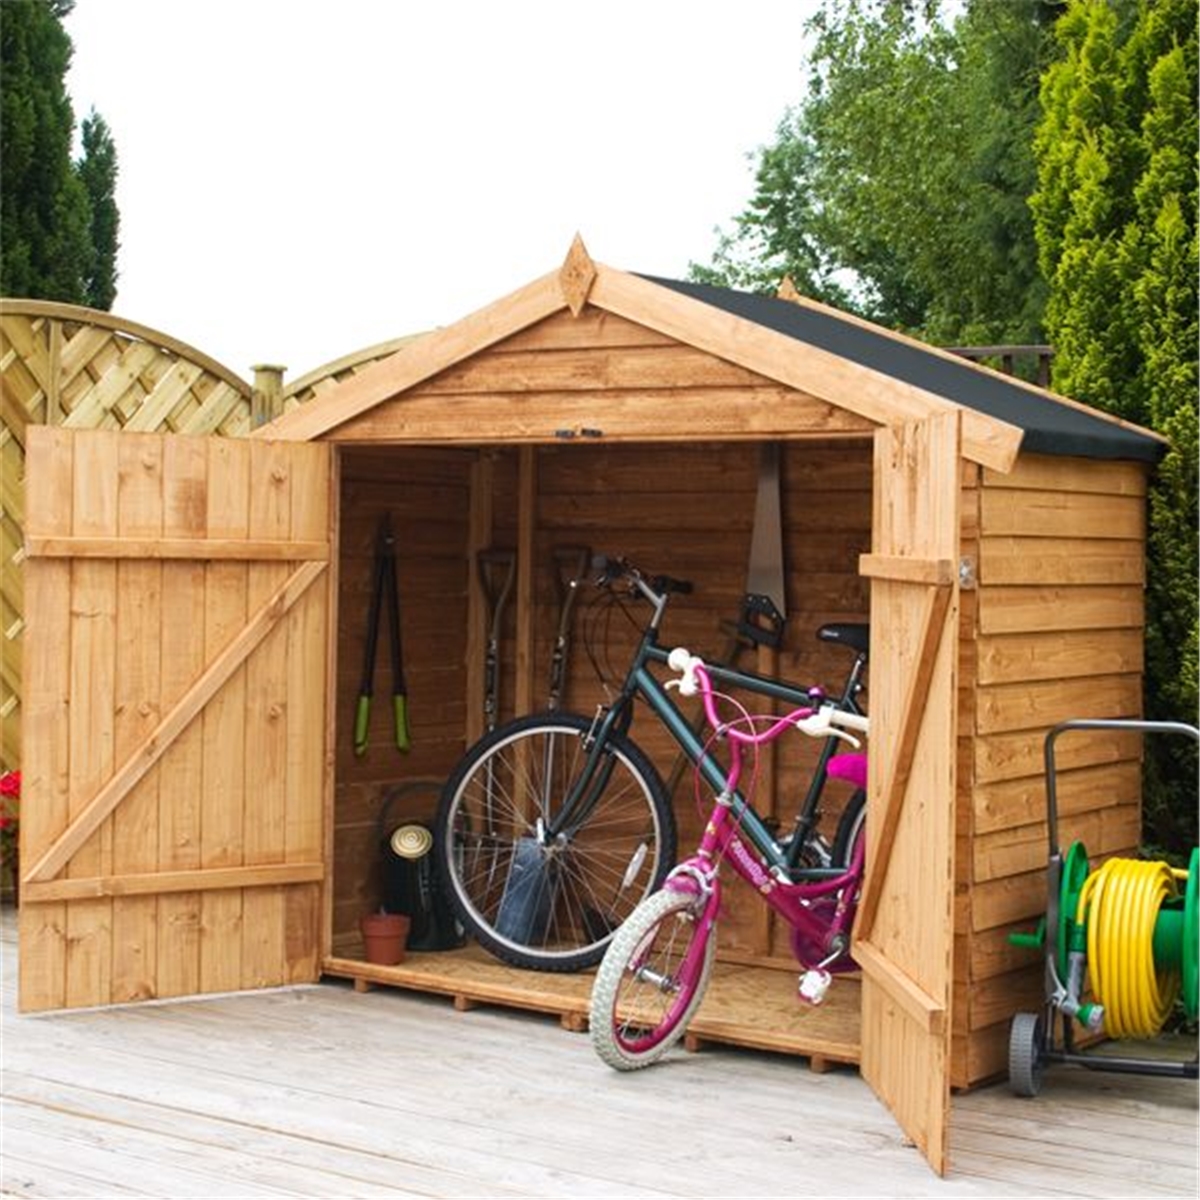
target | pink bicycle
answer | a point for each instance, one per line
(657, 967)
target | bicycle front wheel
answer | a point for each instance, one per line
(538, 899)
(852, 827)
(651, 981)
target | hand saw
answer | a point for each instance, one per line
(764, 609)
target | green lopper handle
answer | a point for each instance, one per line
(403, 741)
(361, 717)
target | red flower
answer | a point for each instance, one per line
(10, 783)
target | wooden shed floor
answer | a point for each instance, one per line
(325, 1091)
(753, 1007)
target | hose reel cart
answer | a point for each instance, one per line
(1129, 929)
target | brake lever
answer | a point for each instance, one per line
(820, 725)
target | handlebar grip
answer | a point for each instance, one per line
(667, 583)
(685, 662)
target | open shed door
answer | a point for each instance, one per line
(905, 926)
(175, 758)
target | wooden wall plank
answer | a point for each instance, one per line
(45, 781)
(639, 415)
(138, 692)
(308, 784)
(1065, 654)
(267, 707)
(1021, 755)
(1017, 849)
(1020, 801)
(1055, 560)
(1024, 609)
(1062, 514)
(93, 675)
(592, 328)
(1051, 472)
(224, 727)
(1003, 708)
(673, 366)
(185, 515)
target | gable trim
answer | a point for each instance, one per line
(419, 360)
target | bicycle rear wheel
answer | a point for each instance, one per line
(651, 981)
(551, 904)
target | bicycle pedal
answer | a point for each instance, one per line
(814, 983)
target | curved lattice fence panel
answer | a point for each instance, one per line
(317, 383)
(65, 365)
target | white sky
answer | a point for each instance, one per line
(299, 180)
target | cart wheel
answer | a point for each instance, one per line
(1025, 1054)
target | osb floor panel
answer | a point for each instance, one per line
(754, 1007)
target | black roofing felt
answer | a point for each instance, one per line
(1050, 427)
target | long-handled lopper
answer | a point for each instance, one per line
(384, 591)
(497, 574)
(574, 561)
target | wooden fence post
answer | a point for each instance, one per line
(266, 400)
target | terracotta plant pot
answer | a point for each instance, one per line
(385, 938)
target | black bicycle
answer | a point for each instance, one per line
(555, 826)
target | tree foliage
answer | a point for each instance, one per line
(897, 187)
(1115, 212)
(58, 218)
(98, 171)
(1016, 171)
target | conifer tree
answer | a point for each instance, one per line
(98, 171)
(54, 245)
(1115, 216)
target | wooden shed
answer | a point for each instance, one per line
(196, 818)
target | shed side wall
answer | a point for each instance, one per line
(1056, 634)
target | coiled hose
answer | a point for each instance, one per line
(1120, 903)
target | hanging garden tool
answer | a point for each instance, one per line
(497, 574)
(764, 609)
(574, 561)
(763, 615)
(384, 593)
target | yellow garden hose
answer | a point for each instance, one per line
(1120, 903)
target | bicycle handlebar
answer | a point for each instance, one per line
(825, 721)
(654, 587)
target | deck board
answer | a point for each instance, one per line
(329, 1091)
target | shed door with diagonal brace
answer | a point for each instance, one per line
(905, 927)
(174, 768)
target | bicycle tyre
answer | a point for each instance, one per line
(851, 826)
(550, 908)
(635, 1020)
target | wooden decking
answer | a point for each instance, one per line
(327, 1091)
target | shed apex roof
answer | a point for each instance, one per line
(1051, 424)
(882, 376)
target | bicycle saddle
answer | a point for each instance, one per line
(857, 637)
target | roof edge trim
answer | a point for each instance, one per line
(414, 363)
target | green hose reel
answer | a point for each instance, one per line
(1175, 944)
(1191, 936)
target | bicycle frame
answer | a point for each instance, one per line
(792, 899)
(616, 719)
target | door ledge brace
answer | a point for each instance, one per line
(156, 744)
(938, 576)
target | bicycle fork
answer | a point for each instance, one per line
(696, 878)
